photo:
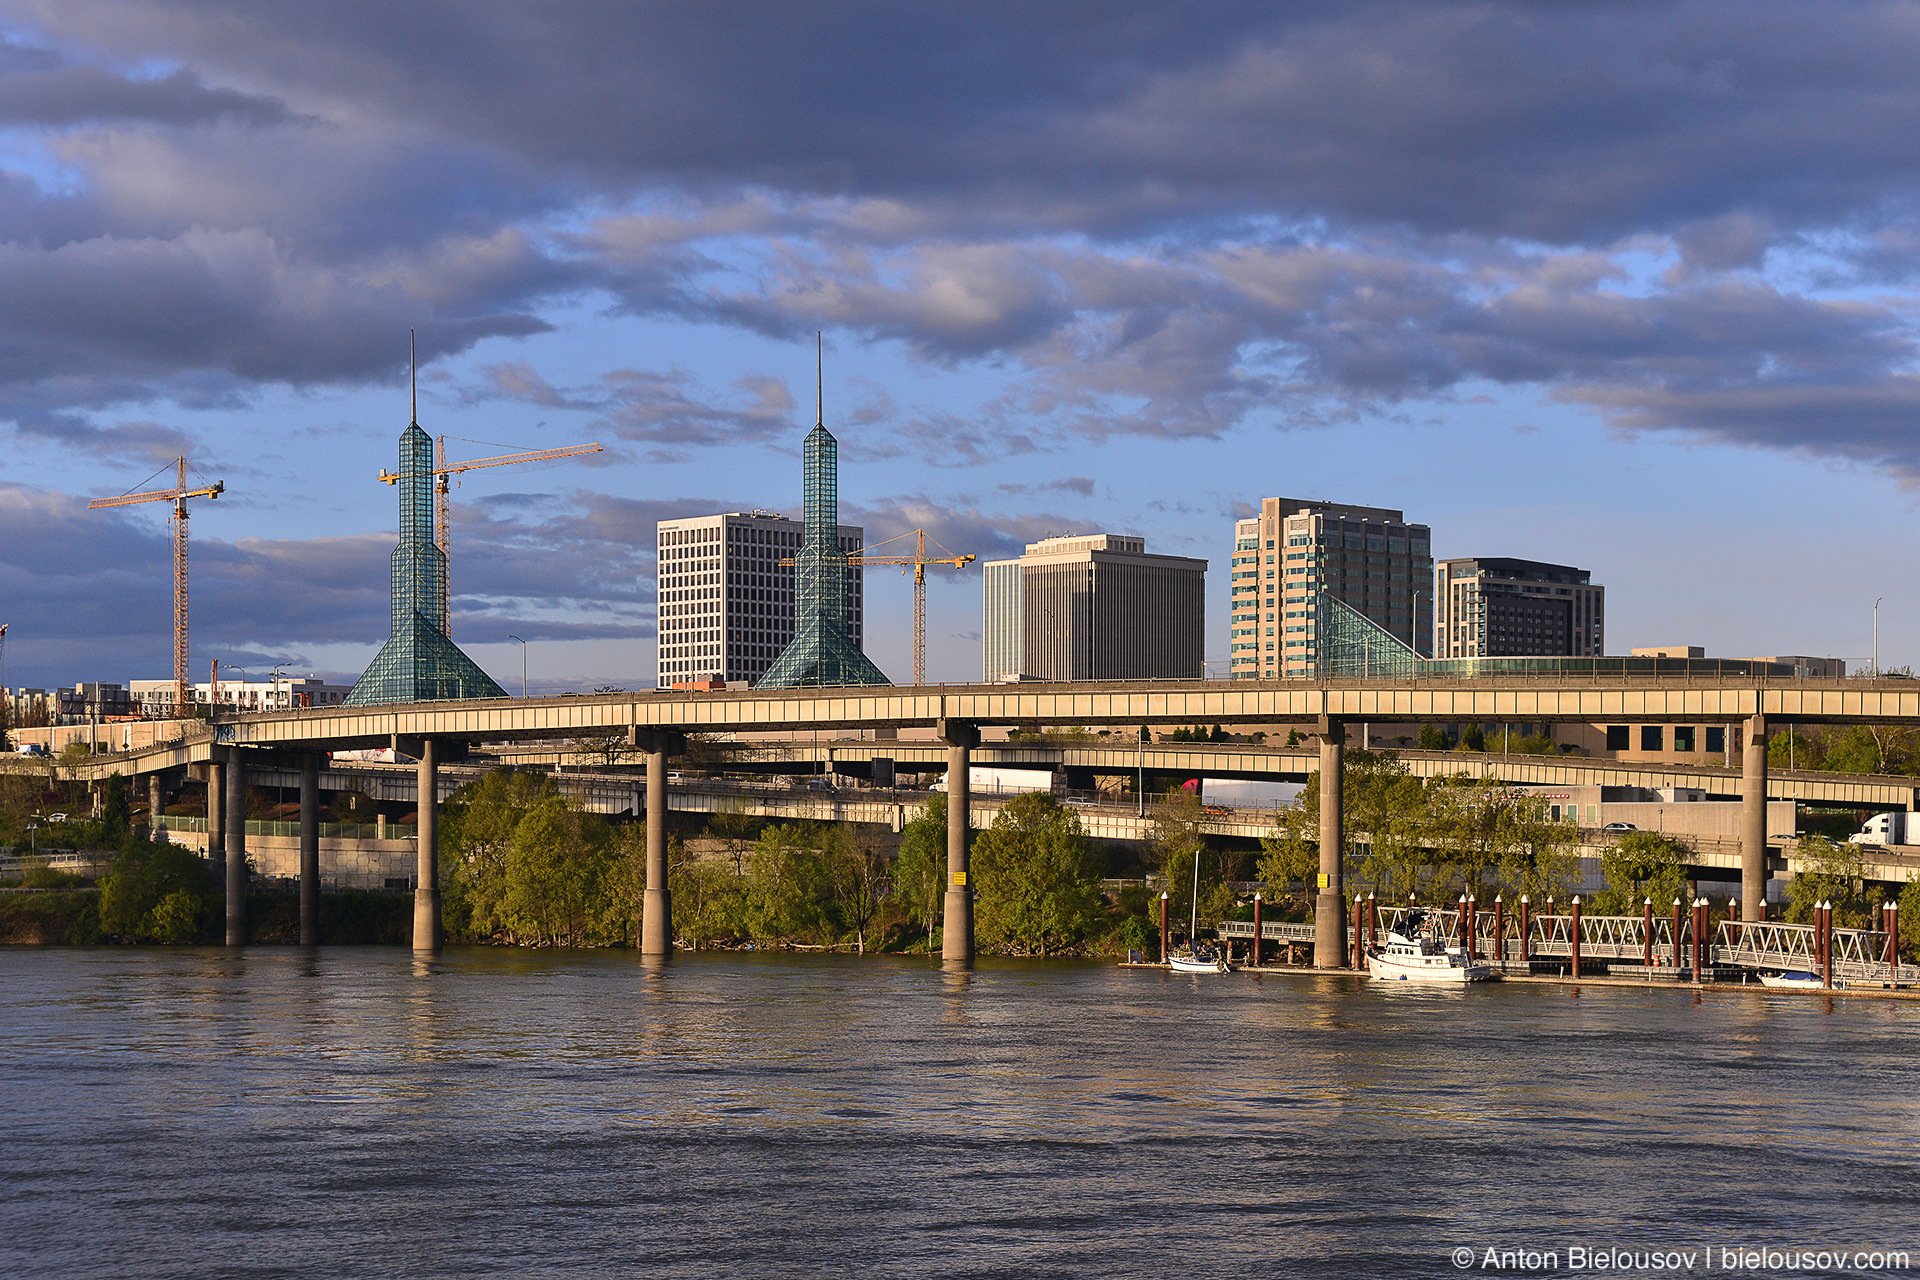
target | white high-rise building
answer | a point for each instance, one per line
(1294, 551)
(726, 601)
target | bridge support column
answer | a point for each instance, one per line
(1329, 908)
(156, 827)
(1753, 820)
(309, 850)
(217, 814)
(656, 906)
(236, 806)
(426, 864)
(956, 938)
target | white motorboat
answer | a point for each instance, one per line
(1203, 963)
(1419, 957)
(1793, 979)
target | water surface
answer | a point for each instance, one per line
(355, 1112)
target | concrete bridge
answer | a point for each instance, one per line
(656, 725)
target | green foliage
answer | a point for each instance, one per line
(158, 893)
(1432, 738)
(788, 891)
(1472, 739)
(1832, 872)
(1910, 918)
(920, 868)
(62, 918)
(116, 821)
(522, 864)
(709, 901)
(1036, 881)
(1439, 838)
(1854, 748)
(856, 876)
(1638, 866)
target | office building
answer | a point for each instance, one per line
(1295, 554)
(1094, 607)
(726, 603)
(1496, 607)
(153, 699)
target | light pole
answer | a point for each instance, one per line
(273, 686)
(523, 667)
(1876, 636)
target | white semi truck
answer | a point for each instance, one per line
(1889, 828)
(988, 781)
(1245, 793)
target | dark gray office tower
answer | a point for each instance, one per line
(1495, 607)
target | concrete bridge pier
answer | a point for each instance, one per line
(426, 872)
(217, 814)
(236, 806)
(956, 938)
(1329, 908)
(309, 850)
(1753, 820)
(656, 906)
(155, 804)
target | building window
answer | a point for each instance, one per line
(1683, 737)
(1618, 738)
(1716, 740)
(1652, 737)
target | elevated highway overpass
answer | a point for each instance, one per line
(657, 725)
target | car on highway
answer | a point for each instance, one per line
(1619, 828)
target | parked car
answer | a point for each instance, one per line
(1619, 827)
(58, 817)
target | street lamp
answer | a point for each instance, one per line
(273, 685)
(1876, 636)
(523, 667)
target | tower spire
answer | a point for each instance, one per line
(413, 377)
(819, 378)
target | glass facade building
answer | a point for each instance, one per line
(822, 651)
(418, 663)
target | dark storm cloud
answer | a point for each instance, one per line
(1563, 124)
(32, 92)
(1146, 220)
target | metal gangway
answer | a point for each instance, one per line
(1654, 942)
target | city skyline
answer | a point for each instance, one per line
(1668, 344)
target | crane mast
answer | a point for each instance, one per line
(918, 562)
(178, 495)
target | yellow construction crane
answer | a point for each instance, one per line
(918, 562)
(443, 493)
(178, 496)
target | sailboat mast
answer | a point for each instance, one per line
(1193, 925)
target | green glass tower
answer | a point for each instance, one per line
(821, 651)
(418, 663)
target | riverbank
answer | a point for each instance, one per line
(70, 917)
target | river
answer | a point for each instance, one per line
(355, 1112)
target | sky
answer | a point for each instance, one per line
(1627, 286)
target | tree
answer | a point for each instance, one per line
(787, 897)
(1431, 738)
(1835, 873)
(1037, 886)
(476, 833)
(920, 868)
(116, 821)
(1177, 842)
(559, 863)
(1638, 866)
(856, 870)
(159, 893)
(1290, 856)
(709, 901)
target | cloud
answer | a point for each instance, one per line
(63, 96)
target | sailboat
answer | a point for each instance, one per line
(1197, 959)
